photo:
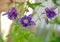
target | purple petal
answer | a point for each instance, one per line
(30, 15)
(43, 13)
(19, 20)
(32, 23)
(12, 13)
(5, 14)
(52, 9)
(50, 13)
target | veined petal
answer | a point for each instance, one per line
(50, 13)
(30, 15)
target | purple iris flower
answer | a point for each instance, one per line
(50, 12)
(12, 13)
(26, 21)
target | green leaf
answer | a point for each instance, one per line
(15, 30)
(46, 0)
(19, 3)
(37, 39)
(55, 21)
(21, 35)
(56, 39)
(33, 5)
(11, 34)
(55, 2)
(1, 40)
(17, 25)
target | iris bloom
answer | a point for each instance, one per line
(26, 21)
(12, 14)
(50, 13)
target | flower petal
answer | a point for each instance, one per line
(30, 15)
(32, 23)
(19, 20)
(50, 13)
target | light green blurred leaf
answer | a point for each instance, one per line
(37, 39)
(56, 39)
(55, 21)
(55, 2)
(1, 39)
(33, 5)
(46, 0)
(19, 3)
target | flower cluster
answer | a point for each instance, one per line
(23, 25)
(26, 21)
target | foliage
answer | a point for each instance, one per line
(22, 35)
(55, 21)
(55, 2)
(56, 39)
(19, 3)
(1, 40)
(33, 5)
